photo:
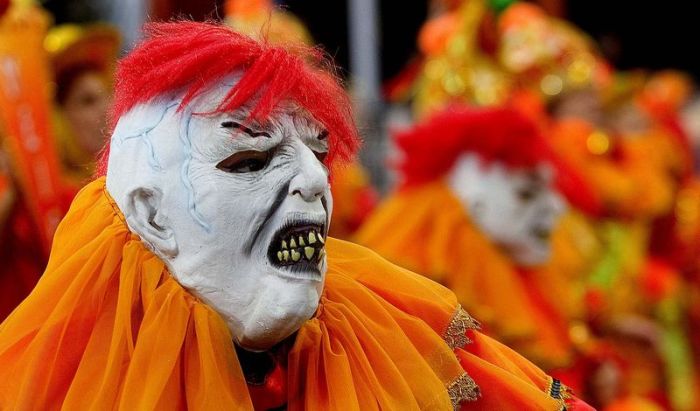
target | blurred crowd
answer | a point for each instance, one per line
(554, 194)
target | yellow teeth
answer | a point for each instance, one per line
(297, 247)
(309, 252)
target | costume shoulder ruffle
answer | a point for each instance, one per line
(409, 319)
(108, 327)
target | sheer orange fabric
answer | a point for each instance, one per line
(107, 327)
(427, 230)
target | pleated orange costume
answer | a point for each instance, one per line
(108, 327)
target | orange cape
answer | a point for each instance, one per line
(107, 327)
(427, 230)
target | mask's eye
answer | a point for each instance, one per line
(321, 156)
(245, 161)
(527, 194)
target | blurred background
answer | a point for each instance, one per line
(374, 41)
(611, 85)
(632, 34)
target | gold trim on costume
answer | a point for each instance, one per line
(462, 389)
(455, 335)
(559, 392)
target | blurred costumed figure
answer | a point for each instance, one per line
(83, 59)
(32, 198)
(463, 50)
(629, 169)
(492, 53)
(669, 279)
(481, 195)
(676, 237)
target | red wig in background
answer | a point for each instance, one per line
(498, 134)
(189, 57)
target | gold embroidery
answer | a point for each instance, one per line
(548, 389)
(464, 388)
(455, 335)
(559, 392)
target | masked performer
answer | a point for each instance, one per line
(481, 196)
(83, 59)
(197, 274)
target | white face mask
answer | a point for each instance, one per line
(516, 209)
(237, 210)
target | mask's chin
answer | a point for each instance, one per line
(531, 255)
(295, 270)
(279, 316)
(290, 294)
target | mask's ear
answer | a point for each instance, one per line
(144, 217)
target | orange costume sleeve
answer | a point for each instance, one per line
(107, 327)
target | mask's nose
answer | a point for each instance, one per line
(556, 203)
(311, 179)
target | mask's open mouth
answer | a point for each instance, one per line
(542, 233)
(298, 246)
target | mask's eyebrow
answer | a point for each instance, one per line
(535, 177)
(534, 181)
(250, 132)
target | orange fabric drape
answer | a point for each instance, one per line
(107, 327)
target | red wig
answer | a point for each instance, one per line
(498, 135)
(189, 57)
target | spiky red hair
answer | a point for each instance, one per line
(499, 134)
(189, 57)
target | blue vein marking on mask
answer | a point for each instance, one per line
(145, 138)
(185, 170)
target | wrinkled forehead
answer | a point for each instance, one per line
(541, 173)
(161, 134)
